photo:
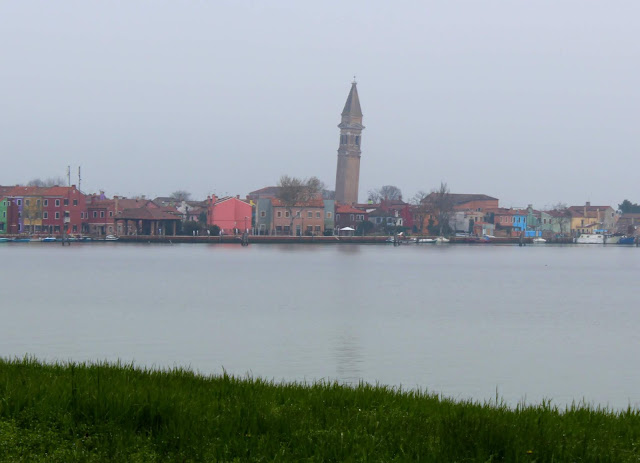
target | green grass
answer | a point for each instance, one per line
(104, 412)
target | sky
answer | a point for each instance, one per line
(532, 102)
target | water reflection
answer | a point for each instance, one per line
(348, 356)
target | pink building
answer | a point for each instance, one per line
(230, 213)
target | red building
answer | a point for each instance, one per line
(100, 215)
(349, 216)
(64, 209)
(230, 213)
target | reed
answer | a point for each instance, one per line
(118, 412)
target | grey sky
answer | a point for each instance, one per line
(529, 101)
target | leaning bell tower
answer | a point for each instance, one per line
(348, 171)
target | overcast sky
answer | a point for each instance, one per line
(528, 101)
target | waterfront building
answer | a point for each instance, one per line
(306, 218)
(264, 216)
(592, 219)
(230, 213)
(100, 215)
(329, 215)
(349, 216)
(65, 209)
(348, 169)
(628, 222)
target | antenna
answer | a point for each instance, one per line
(69, 175)
(79, 178)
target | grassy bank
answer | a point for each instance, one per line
(120, 413)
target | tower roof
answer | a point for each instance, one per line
(352, 106)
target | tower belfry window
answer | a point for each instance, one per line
(358, 140)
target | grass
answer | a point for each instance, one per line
(105, 412)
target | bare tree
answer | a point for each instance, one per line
(295, 192)
(563, 217)
(422, 207)
(181, 195)
(442, 204)
(385, 192)
(48, 182)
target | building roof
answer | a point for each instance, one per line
(346, 209)
(316, 202)
(266, 192)
(147, 213)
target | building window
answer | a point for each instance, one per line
(101, 214)
(337, 216)
(75, 229)
(46, 202)
(298, 214)
(57, 215)
(358, 140)
(329, 214)
(279, 214)
(309, 215)
(110, 213)
(75, 202)
(27, 202)
(351, 217)
(318, 215)
(19, 202)
(38, 202)
(263, 213)
(95, 214)
(110, 229)
(286, 213)
(45, 215)
(57, 203)
(66, 202)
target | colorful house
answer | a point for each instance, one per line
(592, 219)
(303, 218)
(349, 216)
(230, 213)
(64, 209)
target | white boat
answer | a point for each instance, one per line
(612, 239)
(441, 239)
(597, 238)
(539, 240)
(111, 238)
(426, 240)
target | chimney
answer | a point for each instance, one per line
(237, 196)
(588, 203)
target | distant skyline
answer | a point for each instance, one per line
(529, 102)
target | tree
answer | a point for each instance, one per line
(294, 192)
(422, 207)
(364, 228)
(180, 195)
(442, 204)
(189, 227)
(48, 182)
(384, 192)
(628, 207)
(562, 215)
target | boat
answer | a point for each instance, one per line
(584, 238)
(111, 238)
(21, 240)
(5, 240)
(86, 238)
(612, 239)
(538, 240)
(441, 239)
(49, 239)
(425, 240)
(627, 240)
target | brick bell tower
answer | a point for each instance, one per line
(348, 171)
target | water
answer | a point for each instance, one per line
(533, 322)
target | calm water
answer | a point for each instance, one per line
(533, 322)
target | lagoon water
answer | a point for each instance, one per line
(533, 322)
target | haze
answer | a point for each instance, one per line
(530, 102)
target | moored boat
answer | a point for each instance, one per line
(627, 240)
(612, 239)
(538, 240)
(584, 238)
(111, 238)
(21, 240)
(441, 240)
(49, 239)
(5, 240)
(426, 240)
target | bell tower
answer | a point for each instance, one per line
(348, 171)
